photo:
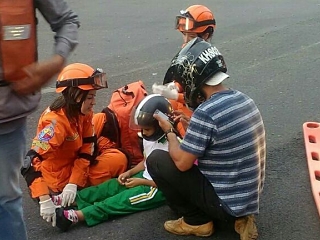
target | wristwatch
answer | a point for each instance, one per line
(171, 130)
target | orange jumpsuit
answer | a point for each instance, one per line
(180, 105)
(63, 153)
(111, 162)
(59, 144)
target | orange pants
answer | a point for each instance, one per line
(111, 163)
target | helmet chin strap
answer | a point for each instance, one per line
(155, 136)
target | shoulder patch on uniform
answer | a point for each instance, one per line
(46, 134)
(43, 145)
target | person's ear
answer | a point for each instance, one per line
(79, 98)
(206, 36)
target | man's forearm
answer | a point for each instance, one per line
(63, 21)
(174, 146)
(183, 160)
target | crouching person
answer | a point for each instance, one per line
(62, 151)
(227, 136)
(134, 190)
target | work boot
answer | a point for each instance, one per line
(62, 222)
(180, 227)
(246, 227)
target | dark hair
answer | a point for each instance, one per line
(208, 30)
(71, 100)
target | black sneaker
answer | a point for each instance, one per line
(62, 222)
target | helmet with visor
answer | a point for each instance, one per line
(142, 115)
(81, 76)
(195, 19)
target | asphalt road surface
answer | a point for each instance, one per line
(272, 50)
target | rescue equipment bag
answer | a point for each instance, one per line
(116, 128)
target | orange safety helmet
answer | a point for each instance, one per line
(195, 19)
(81, 76)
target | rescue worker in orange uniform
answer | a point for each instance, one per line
(63, 150)
(195, 21)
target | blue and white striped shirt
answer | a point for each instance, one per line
(227, 134)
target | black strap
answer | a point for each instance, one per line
(128, 156)
(75, 82)
(91, 139)
(32, 154)
(204, 23)
(31, 175)
(126, 92)
(111, 129)
(4, 83)
(90, 158)
(27, 170)
(86, 156)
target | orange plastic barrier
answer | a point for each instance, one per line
(311, 132)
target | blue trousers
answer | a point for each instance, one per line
(12, 152)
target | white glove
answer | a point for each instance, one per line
(171, 85)
(68, 194)
(166, 90)
(48, 211)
